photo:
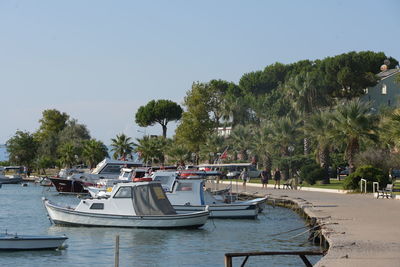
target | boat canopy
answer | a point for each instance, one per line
(150, 199)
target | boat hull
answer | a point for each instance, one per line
(11, 242)
(228, 211)
(68, 186)
(260, 202)
(64, 216)
(16, 180)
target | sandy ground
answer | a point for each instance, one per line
(361, 230)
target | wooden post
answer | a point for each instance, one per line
(228, 261)
(116, 258)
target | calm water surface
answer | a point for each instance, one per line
(22, 211)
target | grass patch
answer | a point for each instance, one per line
(335, 184)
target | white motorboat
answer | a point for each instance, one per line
(189, 195)
(141, 204)
(30, 242)
(104, 186)
(74, 180)
(10, 175)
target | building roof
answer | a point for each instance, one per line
(387, 73)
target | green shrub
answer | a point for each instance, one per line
(369, 173)
(311, 173)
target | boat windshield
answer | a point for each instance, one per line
(111, 169)
(167, 182)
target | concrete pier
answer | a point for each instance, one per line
(361, 230)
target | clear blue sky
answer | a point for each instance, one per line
(99, 61)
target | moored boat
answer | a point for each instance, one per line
(69, 186)
(74, 181)
(14, 176)
(139, 205)
(30, 242)
(188, 194)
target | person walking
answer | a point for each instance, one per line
(277, 178)
(245, 178)
(265, 176)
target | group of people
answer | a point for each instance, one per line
(265, 177)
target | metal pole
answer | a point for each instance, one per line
(116, 259)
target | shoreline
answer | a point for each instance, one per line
(358, 228)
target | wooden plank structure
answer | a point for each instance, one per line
(301, 254)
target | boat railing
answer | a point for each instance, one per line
(302, 254)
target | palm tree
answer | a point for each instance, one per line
(213, 145)
(353, 123)
(235, 109)
(67, 154)
(390, 130)
(240, 140)
(93, 152)
(284, 134)
(262, 146)
(307, 96)
(319, 128)
(177, 152)
(122, 147)
(152, 148)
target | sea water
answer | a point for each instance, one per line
(22, 211)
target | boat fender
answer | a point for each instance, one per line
(187, 204)
(206, 209)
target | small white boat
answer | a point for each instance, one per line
(30, 242)
(188, 195)
(141, 204)
(44, 181)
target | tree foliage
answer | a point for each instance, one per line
(160, 111)
(347, 75)
(352, 124)
(22, 148)
(262, 82)
(51, 123)
(196, 123)
(75, 133)
(93, 152)
(68, 155)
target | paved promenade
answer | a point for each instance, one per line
(367, 230)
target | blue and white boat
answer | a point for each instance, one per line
(188, 195)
